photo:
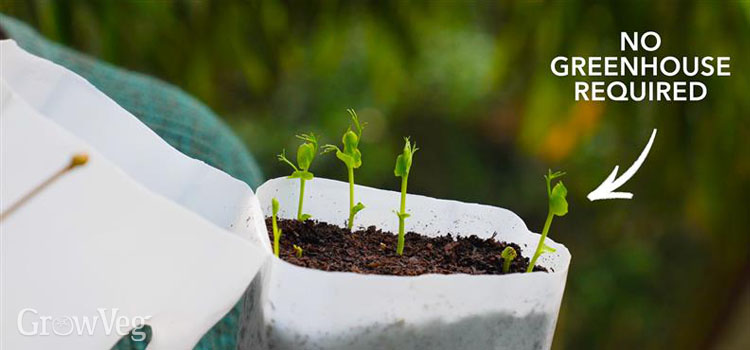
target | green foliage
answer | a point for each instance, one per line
(275, 226)
(508, 255)
(557, 203)
(305, 154)
(350, 155)
(403, 161)
(297, 250)
(352, 158)
(558, 206)
(403, 166)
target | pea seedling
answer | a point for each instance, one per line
(305, 155)
(275, 226)
(558, 206)
(352, 158)
(403, 165)
(508, 255)
(297, 250)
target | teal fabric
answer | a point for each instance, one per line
(185, 123)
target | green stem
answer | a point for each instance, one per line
(351, 198)
(276, 235)
(541, 242)
(401, 216)
(506, 265)
(301, 196)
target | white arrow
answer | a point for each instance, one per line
(610, 184)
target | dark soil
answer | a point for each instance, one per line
(372, 251)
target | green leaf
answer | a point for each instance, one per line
(403, 161)
(547, 249)
(301, 174)
(558, 205)
(346, 158)
(275, 206)
(350, 155)
(401, 215)
(305, 155)
(350, 141)
(359, 206)
(402, 166)
(305, 217)
(551, 176)
(357, 156)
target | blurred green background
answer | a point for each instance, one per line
(470, 83)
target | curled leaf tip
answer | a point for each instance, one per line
(509, 253)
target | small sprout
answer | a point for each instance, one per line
(352, 158)
(558, 206)
(403, 165)
(276, 231)
(297, 250)
(305, 155)
(508, 255)
(77, 160)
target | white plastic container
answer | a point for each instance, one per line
(292, 307)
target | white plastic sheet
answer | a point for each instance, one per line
(312, 309)
(98, 239)
(76, 105)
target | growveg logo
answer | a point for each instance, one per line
(641, 77)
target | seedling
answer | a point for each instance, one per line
(508, 255)
(352, 158)
(558, 206)
(305, 155)
(276, 231)
(403, 165)
(77, 160)
(297, 250)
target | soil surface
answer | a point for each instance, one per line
(371, 251)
